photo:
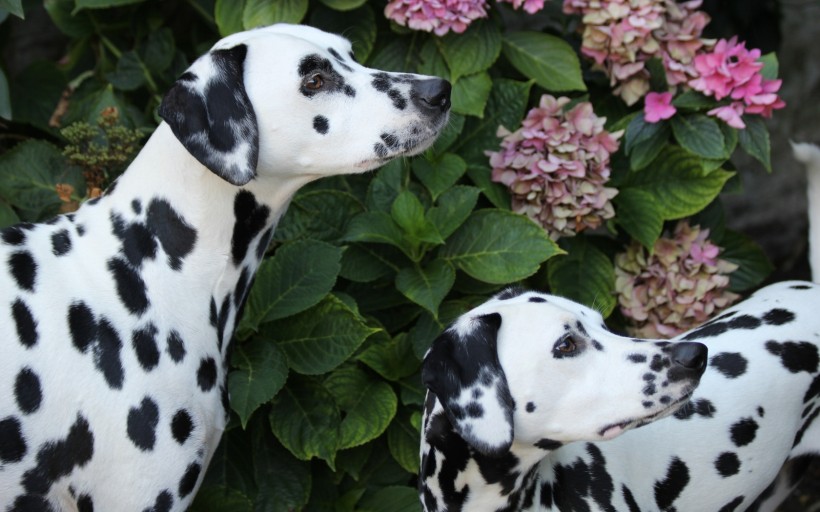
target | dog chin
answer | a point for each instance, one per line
(615, 429)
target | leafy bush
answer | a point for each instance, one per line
(366, 270)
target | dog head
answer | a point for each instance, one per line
(290, 99)
(543, 371)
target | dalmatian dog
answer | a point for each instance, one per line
(533, 404)
(115, 321)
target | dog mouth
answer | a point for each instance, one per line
(615, 429)
(418, 139)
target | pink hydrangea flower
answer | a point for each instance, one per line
(556, 165)
(437, 16)
(531, 6)
(681, 284)
(658, 106)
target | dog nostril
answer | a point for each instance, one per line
(433, 94)
(691, 356)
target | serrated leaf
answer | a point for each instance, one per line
(259, 13)
(369, 405)
(432, 61)
(699, 134)
(363, 263)
(305, 419)
(585, 274)
(321, 338)
(470, 94)
(644, 141)
(377, 227)
(498, 247)
(318, 215)
(391, 358)
(452, 209)
(427, 327)
(693, 100)
(753, 265)
(403, 441)
(159, 50)
(129, 74)
(547, 59)
(755, 140)
(284, 482)
(408, 213)
(294, 279)
(391, 499)
(450, 134)
(388, 183)
(75, 25)
(678, 183)
(228, 16)
(639, 214)
(7, 215)
(497, 193)
(471, 52)
(440, 174)
(426, 286)
(261, 371)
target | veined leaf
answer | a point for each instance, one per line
(547, 59)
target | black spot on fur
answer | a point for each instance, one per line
(60, 242)
(176, 236)
(138, 243)
(730, 364)
(188, 481)
(25, 324)
(13, 236)
(251, 218)
(85, 503)
(181, 426)
(727, 464)
(142, 424)
(23, 269)
(107, 354)
(669, 489)
(715, 328)
(82, 326)
(57, 459)
(321, 124)
(548, 444)
(778, 316)
(380, 150)
(530, 407)
(145, 345)
(637, 358)
(812, 392)
(176, 347)
(130, 286)
(702, 407)
(27, 391)
(136, 205)
(12, 442)
(630, 499)
(743, 432)
(398, 99)
(206, 375)
(31, 503)
(163, 503)
(732, 505)
(795, 356)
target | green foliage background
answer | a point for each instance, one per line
(366, 270)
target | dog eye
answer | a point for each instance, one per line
(314, 83)
(565, 345)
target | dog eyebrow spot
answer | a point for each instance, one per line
(637, 358)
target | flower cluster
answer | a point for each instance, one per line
(531, 6)
(438, 16)
(680, 285)
(621, 35)
(730, 70)
(556, 166)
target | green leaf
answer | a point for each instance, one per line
(441, 174)
(284, 482)
(221, 499)
(505, 107)
(296, 278)
(645, 141)
(343, 5)
(102, 4)
(450, 134)
(158, 52)
(362, 263)
(639, 214)
(259, 13)
(585, 274)
(5, 97)
(388, 183)
(321, 338)
(693, 100)
(427, 328)
(7, 215)
(498, 247)
(392, 358)
(678, 183)
(36, 92)
(699, 134)
(771, 66)
(426, 286)
(755, 140)
(261, 371)
(305, 419)
(452, 209)
(470, 94)
(318, 215)
(547, 59)
(228, 16)
(129, 74)
(377, 227)
(358, 25)
(29, 174)
(391, 499)
(473, 51)
(403, 441)
(13, 6)
(753, 265)
(497, 193)
(408, 213)
(432, 61)
(369, 405)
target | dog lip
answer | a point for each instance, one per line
(643, 420)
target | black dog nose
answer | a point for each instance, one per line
(431, 94)
(688, 360)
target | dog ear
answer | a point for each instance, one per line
(462, 370)
(210, 113)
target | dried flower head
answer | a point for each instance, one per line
(677, 287)
(556, 166)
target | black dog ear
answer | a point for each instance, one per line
(463, 371)
(210, 113)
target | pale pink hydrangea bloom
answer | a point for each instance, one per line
(658, 106)
(556, 166)
(732, 71)
(680, 285)
(438, 16)
(531, 6)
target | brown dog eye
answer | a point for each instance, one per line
(565, 345)
(314, 83)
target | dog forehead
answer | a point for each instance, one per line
(309, 36)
